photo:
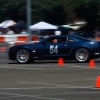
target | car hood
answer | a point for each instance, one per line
(25, 43)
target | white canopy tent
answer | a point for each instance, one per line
(42, 25)
(7, 23)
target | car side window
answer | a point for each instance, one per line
(51, 40)
(61, 40)
(64, 39)
(70, 39)
(56, 40)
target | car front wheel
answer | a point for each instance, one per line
(23, 56)
(82, 55)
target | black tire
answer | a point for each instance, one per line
(23, 56)
(82, 55)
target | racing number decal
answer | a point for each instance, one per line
(53, 49)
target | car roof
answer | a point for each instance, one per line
(75, 36)
(78, 38)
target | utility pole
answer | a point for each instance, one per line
(28, 3)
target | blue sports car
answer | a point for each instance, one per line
(54, 47)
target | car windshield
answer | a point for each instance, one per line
(40, 39)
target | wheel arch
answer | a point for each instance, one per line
(22, 48)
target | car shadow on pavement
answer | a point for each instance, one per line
(46, 62)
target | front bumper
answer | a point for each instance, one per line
(11, 55)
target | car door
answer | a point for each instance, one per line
(50, 49)
(40, 51)
(57, 49)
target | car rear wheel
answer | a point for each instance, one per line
(82, 55)
(23, 56)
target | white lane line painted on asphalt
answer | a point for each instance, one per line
(90, 78)
(9, 67)
(83, 66)
(30, 96)
(43, 83)
(10, 97)
(41, 96)
(57, 85)
(65, 65)
(68, 65)
(53, 84)
(69, 93)
(69, 87)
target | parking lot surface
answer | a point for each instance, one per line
(47, 80)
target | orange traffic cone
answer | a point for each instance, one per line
(91, 63)
(60, 61)
(98, 82)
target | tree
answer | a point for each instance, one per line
(88, 10)
(12, 9)
(51, 11)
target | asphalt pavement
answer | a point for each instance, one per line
(46, 80)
